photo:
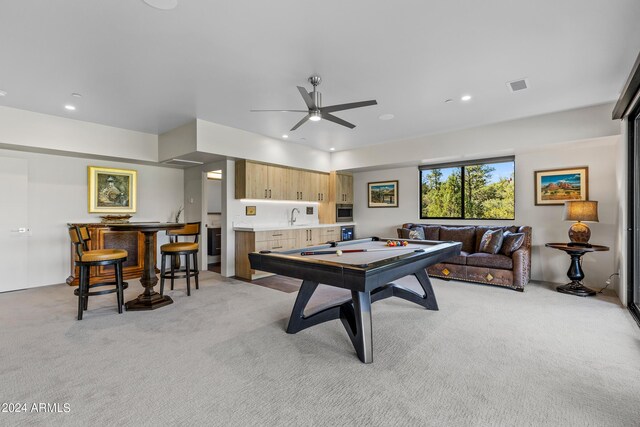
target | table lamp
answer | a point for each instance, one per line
(583, 210)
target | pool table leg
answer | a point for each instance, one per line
(429, 300)
(358, 325)
(297, 319)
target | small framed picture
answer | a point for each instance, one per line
(250, 210)
(383, 194)
(556, 186)
(111, 190)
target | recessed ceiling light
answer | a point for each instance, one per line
(3, 93)
(162, 4)
(332, 149)
(70, 107)
(448, 100)
(285, 136)
(465, 98)
(76, 95)
(386, 116)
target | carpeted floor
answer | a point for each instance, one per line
(489, 357)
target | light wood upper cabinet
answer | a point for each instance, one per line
(260, 181)
(344, 188)
(263, 181)
(277, 179)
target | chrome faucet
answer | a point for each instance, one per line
(293, 219)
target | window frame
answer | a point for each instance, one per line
(462, 165)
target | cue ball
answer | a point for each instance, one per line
(339, 252)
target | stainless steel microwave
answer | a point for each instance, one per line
(344, 213)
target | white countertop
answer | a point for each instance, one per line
(267, 227)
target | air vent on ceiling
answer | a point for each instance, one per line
(518, 85)
(181, 162)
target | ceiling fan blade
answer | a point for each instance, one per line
(307, 98)
(340, 107)
(301, 122)
(337, 120)
(281, 111)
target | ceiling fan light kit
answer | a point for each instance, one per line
(316, 111)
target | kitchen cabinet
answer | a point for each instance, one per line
(214, 241)
(344, 188)
(308, 237)
(263, 181)
(278, 240)
(260, 181)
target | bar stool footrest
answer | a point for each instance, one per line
(125, 285)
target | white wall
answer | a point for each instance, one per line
(240, 144)
(275, 214)
(213, 188)
(178, 141)
(485, 141)
(58, 195)
(37, 131)
(547, 264)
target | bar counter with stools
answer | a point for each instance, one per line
(85, 259)
(174, 249)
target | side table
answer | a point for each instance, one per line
(575, 273)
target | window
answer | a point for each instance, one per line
(481, 189)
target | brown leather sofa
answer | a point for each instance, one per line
(472, 265)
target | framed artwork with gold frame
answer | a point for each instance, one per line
(112, 190)
(556, 186)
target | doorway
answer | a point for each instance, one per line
(213, 190)
(14, 231)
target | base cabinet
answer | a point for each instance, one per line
(104, 238)
(277, 240)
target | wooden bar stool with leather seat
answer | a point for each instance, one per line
(176, 248)
(85, 259)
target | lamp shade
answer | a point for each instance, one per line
(582, 210)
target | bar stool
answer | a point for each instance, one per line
(86, 259)
(176, 248)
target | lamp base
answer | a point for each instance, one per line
(579, 234)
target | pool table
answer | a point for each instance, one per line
(366, 267)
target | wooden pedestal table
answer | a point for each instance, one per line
(149, 299)
(575, 273)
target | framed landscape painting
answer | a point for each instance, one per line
(383, 194)
(556, 186)
(112, 190)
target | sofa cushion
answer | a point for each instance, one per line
(431, 232)
(403, 233)
(466, 235)
(511, 243)
(481, 229)
(491, 242)
(482, 259)
(458, 259)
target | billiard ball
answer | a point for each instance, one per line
(339, 252)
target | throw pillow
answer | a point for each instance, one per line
(417, 234)
(511, 243)
(491, 241)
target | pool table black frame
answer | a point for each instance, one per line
(368, 283)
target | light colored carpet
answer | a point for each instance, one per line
(489, 357)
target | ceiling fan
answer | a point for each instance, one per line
(316, 111)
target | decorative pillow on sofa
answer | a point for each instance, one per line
(417, 233)
(491, 241)
(511, 243)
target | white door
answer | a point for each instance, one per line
(14, 227)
